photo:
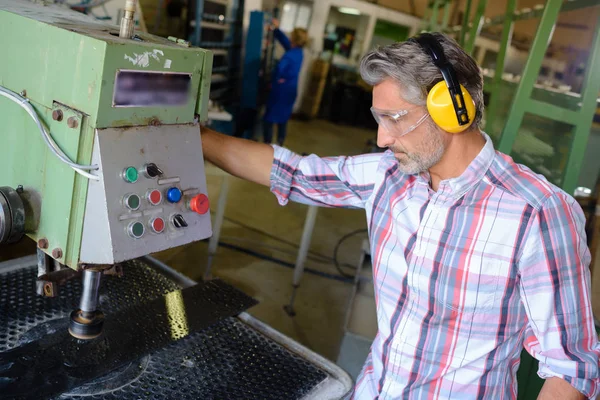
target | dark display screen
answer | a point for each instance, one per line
(145, 89)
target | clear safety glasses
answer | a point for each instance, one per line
(397, 123)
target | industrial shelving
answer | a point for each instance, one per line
(220, 30)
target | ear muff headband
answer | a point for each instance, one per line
(450, 105)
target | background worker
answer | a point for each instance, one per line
(284, 85)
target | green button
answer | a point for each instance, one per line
(133, 201)
(137, 229)
(131, 175)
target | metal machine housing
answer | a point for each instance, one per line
(67, 66)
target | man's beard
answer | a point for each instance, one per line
(428, 153)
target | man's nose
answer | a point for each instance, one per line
(384, 139)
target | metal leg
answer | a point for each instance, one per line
(45, 263)
(51, 275)
(309, 225)
(354, 290)
(213, 243)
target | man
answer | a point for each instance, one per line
(474, 256)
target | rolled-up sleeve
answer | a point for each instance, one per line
(555, 290)
(331, 182)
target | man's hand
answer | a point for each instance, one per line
(275, 24)
(559, 389)
(239, 157)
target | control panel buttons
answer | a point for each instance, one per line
(173, 195)
(154, 196)
(157, 225)
(136, 230)
(179, 221)
(130, 174)
(132, 201)
(151, 170)
(199, 204)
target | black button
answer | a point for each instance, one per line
(179, 221)
(152, 170)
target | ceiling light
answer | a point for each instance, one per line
(348, 10)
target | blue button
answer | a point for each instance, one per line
(173, 195)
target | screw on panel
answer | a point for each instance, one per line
(72, 122)
(50, 289)
(57, 253)
(57, 115)
(24, 93)
(43, 243)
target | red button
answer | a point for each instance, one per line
(154, 197)
(199, 204)
(158, 225)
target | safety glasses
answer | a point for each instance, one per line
(397, 123)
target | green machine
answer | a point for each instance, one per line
(101, 154)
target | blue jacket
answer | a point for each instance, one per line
(283, 94)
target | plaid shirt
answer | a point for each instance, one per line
(465, 277)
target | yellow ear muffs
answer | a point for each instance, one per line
(441, 109)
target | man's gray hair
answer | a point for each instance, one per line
(412, 68)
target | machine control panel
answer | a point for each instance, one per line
(152, 195)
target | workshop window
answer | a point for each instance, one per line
(295, 15)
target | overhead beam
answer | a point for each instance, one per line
(531, 13)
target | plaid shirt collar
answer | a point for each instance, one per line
(455, 188)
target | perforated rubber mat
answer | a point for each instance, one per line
(175, 356)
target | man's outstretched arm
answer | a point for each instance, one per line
(245, 159)
(332, 182)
